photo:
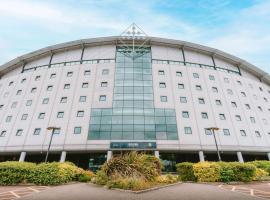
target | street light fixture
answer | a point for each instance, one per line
(213, 129)
(52, 128)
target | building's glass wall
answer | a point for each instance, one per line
(133, 116)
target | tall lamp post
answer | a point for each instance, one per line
(213, 129)
(52, 128)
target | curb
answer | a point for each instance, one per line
(146, 190)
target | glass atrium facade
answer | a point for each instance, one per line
(133, 116)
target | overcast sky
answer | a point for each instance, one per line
(239, 27)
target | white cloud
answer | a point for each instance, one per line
(247, 36)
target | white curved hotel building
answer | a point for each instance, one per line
(112, 94)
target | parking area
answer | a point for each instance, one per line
(261, 190)
(15, 192)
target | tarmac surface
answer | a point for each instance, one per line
(184, 191)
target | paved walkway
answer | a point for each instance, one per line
(185, 191)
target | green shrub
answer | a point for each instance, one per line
(185, 171)
(133, 164)
(42, 174)
(243, 171)
(262, 164)
(235, 171)
(128, 183)
(260, 175)
(13, 172)
(206, 171)
(100, 178)
(167, 179)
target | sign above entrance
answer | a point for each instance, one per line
(133, 145)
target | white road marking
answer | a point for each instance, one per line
(233, 188)
(251, 192)
(33, 189)
(14, 194)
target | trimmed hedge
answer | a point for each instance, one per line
(54, 173)
(206, 171)
(223, 171)
(235, 171)
(262, 164)
(12, 172)
(185, 171)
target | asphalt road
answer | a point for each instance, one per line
(185, 191)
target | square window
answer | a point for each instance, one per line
(260, 108)
(218, 102)
(183, 99)
(60, 114)
(52, 76)
(195, 75)
(234, 105)
(19, 132)
(14, 104)
(1, 106)
(87, 73)
(214, 89)
(247, 106)
(163, 98)
(208, 131)
(45, 101)
(80, 113)
(104, 84)
(239, 82)
(188, 130)
(49, 88)
(243, 94)
(66, 86)
(8, 118)
(201, 101)
(211, 77)
(63, 100)
(105, 71)
(41, 116)
(162, 85)
(238, 117)
(69, 74)
(37, 131)
(179, 73)
(28, 103)
(243, 133)
(3, 133)
(258, 134)
(252, 120)
(33, 90)
(56, 131)
(204, 115)
(24, 117)
(82, 99)
(77, 130)
(185, 114)
(23, 80)
(161, 72)
(226, 80)
(102, 98)
(226, 131)
(222, 116)
(19, 92)
(229, 91)
(85, 85)
(181, 86)
(37, 78)
(10, 83)
(198, 87)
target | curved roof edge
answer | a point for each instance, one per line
(260, 74)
